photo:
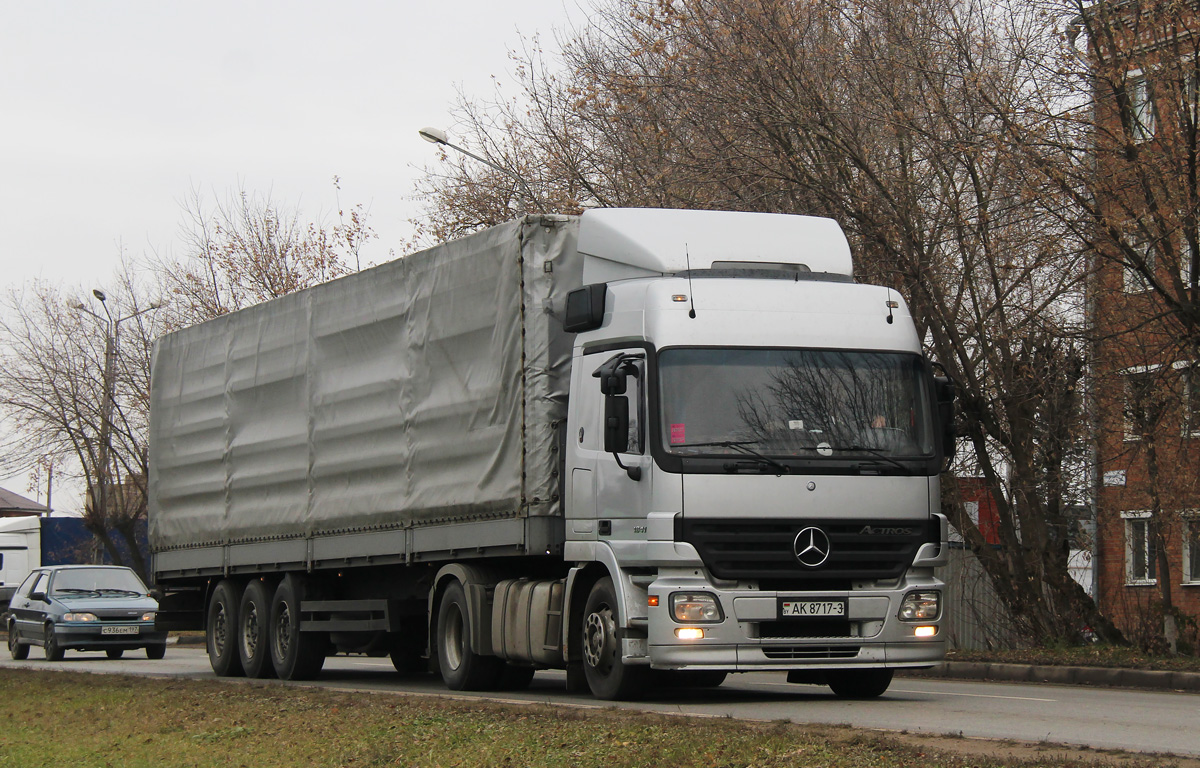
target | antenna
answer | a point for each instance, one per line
(890, 305)
(691, 296)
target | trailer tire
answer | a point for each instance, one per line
(18, 650)
(859, 683)
(462, 669)
(156, 652)
(296, 655)
(114, 653)
(514, 677)
(607, 676)
(253, 637)
(406, 651)
(220, 630)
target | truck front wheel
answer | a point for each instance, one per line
(221, 629)
(462, 669)
(607, 676)
(296, 655)
(859, 683)
(254, 651)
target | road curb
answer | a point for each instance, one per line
(1031, 673)
(185, 640)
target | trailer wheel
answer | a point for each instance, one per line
(254, 649)
(156, 652)
(406, 650)
(221, 629)
(515, 678)
(114, 653)
(607, 676)
(16, 648)
(296, 655)
(462, 669)
(859, 683)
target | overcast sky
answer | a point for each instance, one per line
(110, 112)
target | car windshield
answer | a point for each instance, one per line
(110, 581)
(794, 403)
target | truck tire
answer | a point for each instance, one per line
(221, 629)
(18, 650)
(406, 650)
(115, 653)
(462, 669)
(607, 676)
(859, 683)
(253, 644)
(295, 655)
(156, 652)
(54, 651)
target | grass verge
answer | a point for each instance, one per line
(1084, 656)
(76, 719)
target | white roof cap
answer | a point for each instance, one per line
(667, 240)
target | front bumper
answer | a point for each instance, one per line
(89, 636)
(753, 637)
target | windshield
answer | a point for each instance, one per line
(794, 403)
(99, 580)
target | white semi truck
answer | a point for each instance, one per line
(638, 445)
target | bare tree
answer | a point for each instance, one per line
(890, 118)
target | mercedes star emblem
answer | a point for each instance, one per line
(811, 547)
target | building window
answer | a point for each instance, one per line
(1191, 547)
(1141, 107)
(1139, 262)
(1189, 405)
(1143, 402)
(1141, 554)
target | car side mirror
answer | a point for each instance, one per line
(38, 596)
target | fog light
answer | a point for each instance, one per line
(689, 633)
(920, 606)
(925, 631)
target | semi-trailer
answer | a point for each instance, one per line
(634, 444)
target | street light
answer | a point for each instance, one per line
(112, 338)
(438, 136)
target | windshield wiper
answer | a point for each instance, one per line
(876, 454)
(73, 591)
(114, 590)
(741, 445)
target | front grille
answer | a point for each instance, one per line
(759, 549)
(798, 652)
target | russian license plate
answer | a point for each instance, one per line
(812, 609)
(118, 630)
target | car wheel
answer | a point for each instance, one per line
(115, 653)
(254, 648)
(54, 651)
(221, 629)
(156, 652)
(16, 648)
(462, 669)
(607, 676)
(859, 683)
(296, 655)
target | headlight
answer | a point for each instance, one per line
(148, 616)
(692, 607)
(920, 606)
(80, 617)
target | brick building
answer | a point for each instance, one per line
(1145, 308)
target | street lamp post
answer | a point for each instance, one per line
(437, 136)
(112, 338)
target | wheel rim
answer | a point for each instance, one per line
(283, 631)
(454, 638)
(220, 630)
(250, 632)
(599, 633)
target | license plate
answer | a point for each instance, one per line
(130, 630)
(812, 609)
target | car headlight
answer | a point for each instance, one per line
(920, 606)
(693, 607)
(80, 617)
(148, 616)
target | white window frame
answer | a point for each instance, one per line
(1140, 519)
(1141, 106)
(1191, 555)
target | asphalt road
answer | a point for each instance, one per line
(1140, 721)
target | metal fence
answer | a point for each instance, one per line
(976, 619)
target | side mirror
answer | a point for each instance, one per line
(41, 596)
(616, 424)
(945, 393)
